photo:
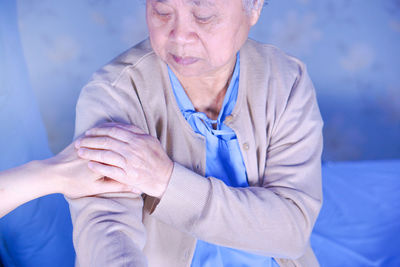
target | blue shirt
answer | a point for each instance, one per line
(223, 161)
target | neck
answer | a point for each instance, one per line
(207, 92)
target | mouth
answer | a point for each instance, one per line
(184, 60)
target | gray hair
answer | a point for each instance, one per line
(249, 5)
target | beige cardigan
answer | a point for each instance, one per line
(278, 126)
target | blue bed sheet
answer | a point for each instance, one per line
(359, 224)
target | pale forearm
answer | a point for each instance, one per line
(24, 183)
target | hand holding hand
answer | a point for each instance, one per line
(128, 155)
(74, 179)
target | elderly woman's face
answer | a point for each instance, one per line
(198, 37)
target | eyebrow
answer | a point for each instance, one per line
(193, 2)
(199, 2)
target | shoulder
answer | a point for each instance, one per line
(274, 81)
(129, 77)
(141, 56)
(113, 92)
(271, 61)
(269, 71)
(131, 85)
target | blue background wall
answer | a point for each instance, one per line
(38, 233)
(351, 48)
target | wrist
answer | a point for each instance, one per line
(22, 184)
(52, 180)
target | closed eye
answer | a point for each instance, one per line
(162, 14)
(204, 19)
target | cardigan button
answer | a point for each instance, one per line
(246, 146)
(228, 118)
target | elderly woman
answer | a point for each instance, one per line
(221, 134)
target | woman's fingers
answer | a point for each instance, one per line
(122, 132)
(113, 172)
(113, 132)
(108, 157)
(100, 142)
(110, 151)
(128, 155)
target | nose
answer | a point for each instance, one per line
(183, 31)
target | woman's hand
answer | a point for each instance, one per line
(71, 176)
(64, 173)
(128, 155)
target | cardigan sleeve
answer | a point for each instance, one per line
(108, 228)
(275, 218)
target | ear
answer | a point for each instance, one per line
(255, 13)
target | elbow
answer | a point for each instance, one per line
(290, 244)
(297, 246)
(295, 238)
(293, 241)
(298, 236)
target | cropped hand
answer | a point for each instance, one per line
(127, 154)
(74, 179)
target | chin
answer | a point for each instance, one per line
(188, 70)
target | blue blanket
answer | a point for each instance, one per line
(359, 224)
